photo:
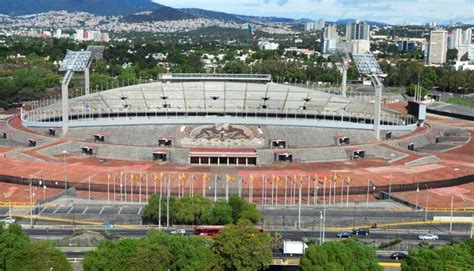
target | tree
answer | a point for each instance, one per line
(242, 247)
(219, 214)
(152, 209)
(186, 252)
(156, 251)
(413, 90)
(452, 54)
(241, 209)
(343, 255)
(188, 210)
(455, 256)
(18, 253)
(38, 256)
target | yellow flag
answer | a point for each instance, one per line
(205, 177)
(230, 178)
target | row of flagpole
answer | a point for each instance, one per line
(137, 187)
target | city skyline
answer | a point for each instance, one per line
(394, 12)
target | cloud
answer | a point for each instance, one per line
(389, 11)
(278, 2)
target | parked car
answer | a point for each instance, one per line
(361, 232)
(428, 236)
(399, 255)
(178, 232)
(8, 220)
(344, 235)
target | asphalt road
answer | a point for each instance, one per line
(286, 235)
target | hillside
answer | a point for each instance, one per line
(160, 14)
(98, 7)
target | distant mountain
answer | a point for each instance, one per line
(214, 15)
(98, 7)
(161, 14)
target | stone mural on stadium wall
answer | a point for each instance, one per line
(223, 135)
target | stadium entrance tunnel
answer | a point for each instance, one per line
(223, 157)
(283, 156)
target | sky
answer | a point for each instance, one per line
(389, 11)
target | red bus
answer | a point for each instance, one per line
(206, 230)
(211, 231)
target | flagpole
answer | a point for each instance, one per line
(272, 195)
(192, 185)
(324, 191)
(146, 186)
(114, 190)
(286, 179)
(309, 190)
(342, 192)
(240, 187)
(276, 192)
(108, 189)
(330, 191)
(227, 188)
(215, 187)
(347, 197)
(131, 188)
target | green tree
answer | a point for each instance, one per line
(242, 247)
(219, 214)
(343, 255)
(452, 54)
(152, 209)
(455, 256)
(38, 256)
(186, 252)
(412, 90)
(18, 253)
(241, 209)
(188, 210)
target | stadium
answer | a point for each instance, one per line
(191, 129)
(221, 116)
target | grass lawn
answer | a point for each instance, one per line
(461, 101)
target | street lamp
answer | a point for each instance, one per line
(65, 169)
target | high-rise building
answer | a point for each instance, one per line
(438, 46)
(357, 31)
(329, 38)
(467, 36)
(406, 45)
(321, 24)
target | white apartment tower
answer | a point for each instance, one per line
(438, 47)
(357, 31)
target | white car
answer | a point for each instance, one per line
(179, 232)
(8, 220)
(428, 236)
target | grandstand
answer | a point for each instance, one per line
(215, 119)
(215, 102)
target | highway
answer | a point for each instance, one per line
(286, 235)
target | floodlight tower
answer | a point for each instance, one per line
(341, 56)
(368, 66)
(73, 62)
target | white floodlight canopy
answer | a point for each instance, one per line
(367, 64)
(76, 61)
